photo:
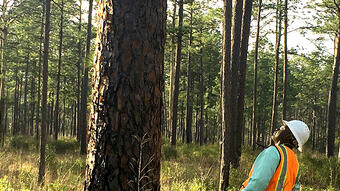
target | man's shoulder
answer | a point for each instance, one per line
(272, 150)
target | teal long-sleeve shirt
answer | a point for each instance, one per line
(264, 168)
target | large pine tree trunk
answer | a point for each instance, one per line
(332, 98)
(189, 88)
(56, 110)
(44, 96)
(85, 84)
(254, 119)
(124, 147)
(276, 67)
(285, 62)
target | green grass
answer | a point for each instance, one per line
(185, 167)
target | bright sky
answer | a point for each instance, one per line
(303, 43)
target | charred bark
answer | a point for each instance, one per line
(124, 146)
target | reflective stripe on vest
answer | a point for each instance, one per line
(283, 172)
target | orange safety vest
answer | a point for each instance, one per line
(285, 174)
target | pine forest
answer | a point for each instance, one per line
(169, 95)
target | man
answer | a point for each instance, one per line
(277, 168)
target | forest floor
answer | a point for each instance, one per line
(186, 167)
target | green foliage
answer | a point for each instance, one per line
(318, 171)
(63, 146)
(58, 186)
(5, 185)
(169, 152)
(23, 142)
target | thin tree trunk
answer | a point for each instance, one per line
(197, 130)
(285, 63)
(20, 110)
(124, 147)
(332, 98)
(247, 10)
(3, 72)
(75, 119)
(64, 112)
(226, 110)
(79, 63)
(206, 137)
(56, 110)
(32, 100)
(254, 120)
(15, 126)
(182, 123)
(172, 68)
(174, 106)
(83, 124)
(276, 70)
(51, 117)
(2, 81)
(37, 124)
(189, 88)
(314, 127)
(201, 80)
(41, 178)
(165, 117)
(25, 126)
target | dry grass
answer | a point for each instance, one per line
(183, 168)
(19, 169)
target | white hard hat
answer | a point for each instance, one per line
(300, 131)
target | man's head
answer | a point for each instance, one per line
(293, 133)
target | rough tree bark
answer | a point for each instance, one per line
(124, 146)
(44, 96)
